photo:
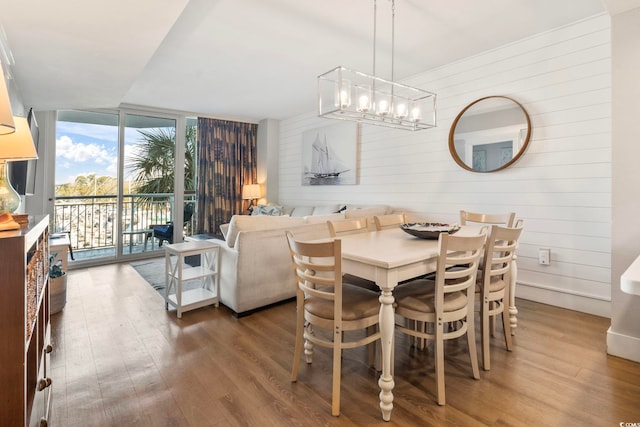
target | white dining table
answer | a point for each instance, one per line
(389, 257)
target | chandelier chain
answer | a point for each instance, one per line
(374, 36)
(393, 34)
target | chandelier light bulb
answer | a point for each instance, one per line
(343, 94)
(363, 103)
(383, 107)
(364, 98)
(401, 110)
(416, 114)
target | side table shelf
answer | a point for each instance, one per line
(176, 275)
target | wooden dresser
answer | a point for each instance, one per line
(25, 393)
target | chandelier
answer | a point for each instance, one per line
(346, 94)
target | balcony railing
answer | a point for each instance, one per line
(91, 220)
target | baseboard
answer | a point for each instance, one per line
(623, 346)
(564, 298)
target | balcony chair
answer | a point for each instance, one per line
(164, 232)
(446, 304)
(327, 307)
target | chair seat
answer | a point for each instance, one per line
(163, 230)
(496, 284)
(357, 303)
(418, 295)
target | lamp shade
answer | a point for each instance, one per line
(251, 191)
(7, 124)
(18, 145)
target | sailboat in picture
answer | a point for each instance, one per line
(326, 166)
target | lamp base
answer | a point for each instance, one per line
(9, 198)
(7, 222)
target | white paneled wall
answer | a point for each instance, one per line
(561, 187)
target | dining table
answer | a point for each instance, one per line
(389, 257)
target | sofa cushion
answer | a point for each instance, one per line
(224, 229)
(301, 211)
(314, 219)
(369, 211)
(260, 222)
(325, 210)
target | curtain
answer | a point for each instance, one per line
(227, 160)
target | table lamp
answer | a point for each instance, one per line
(251, 192)
(13, 147)
(7, 124)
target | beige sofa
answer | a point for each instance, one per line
(255, 267)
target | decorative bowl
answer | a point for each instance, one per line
(429, 230)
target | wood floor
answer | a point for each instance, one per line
(120, 359)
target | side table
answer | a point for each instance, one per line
(176, 275)
(194, 261)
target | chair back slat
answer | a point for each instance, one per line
(461, 253)
(483, 218)
(317, 266)
(348, 226)
(383, 222)
(500, 250)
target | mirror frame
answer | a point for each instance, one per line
(515, 158)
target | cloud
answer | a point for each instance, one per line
(80, 152)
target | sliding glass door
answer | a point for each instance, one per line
(148, 176)
(116, 179)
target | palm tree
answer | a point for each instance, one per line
(154, 164)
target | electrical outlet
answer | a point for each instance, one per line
(544, 256)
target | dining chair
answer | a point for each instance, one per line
(482, 218)
(493, 285)
(342, 227)
(445, 304)
(383, 222)
(505, 219)
(327, 307)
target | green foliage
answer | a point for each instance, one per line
(154, 162)
(88, 185)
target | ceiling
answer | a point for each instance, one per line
(246, 59)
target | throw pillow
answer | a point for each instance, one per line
(273, 210)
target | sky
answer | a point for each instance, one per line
(84, 149)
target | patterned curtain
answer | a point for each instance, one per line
(226, 161)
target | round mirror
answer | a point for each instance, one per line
(489, 134)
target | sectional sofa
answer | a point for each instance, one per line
(255, 265)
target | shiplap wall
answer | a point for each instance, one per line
(561, 187)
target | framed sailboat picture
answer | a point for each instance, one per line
(329, 155)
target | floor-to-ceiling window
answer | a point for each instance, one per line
(116, 175)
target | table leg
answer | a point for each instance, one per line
(513, 311)
(387, 326)
(167, 267)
